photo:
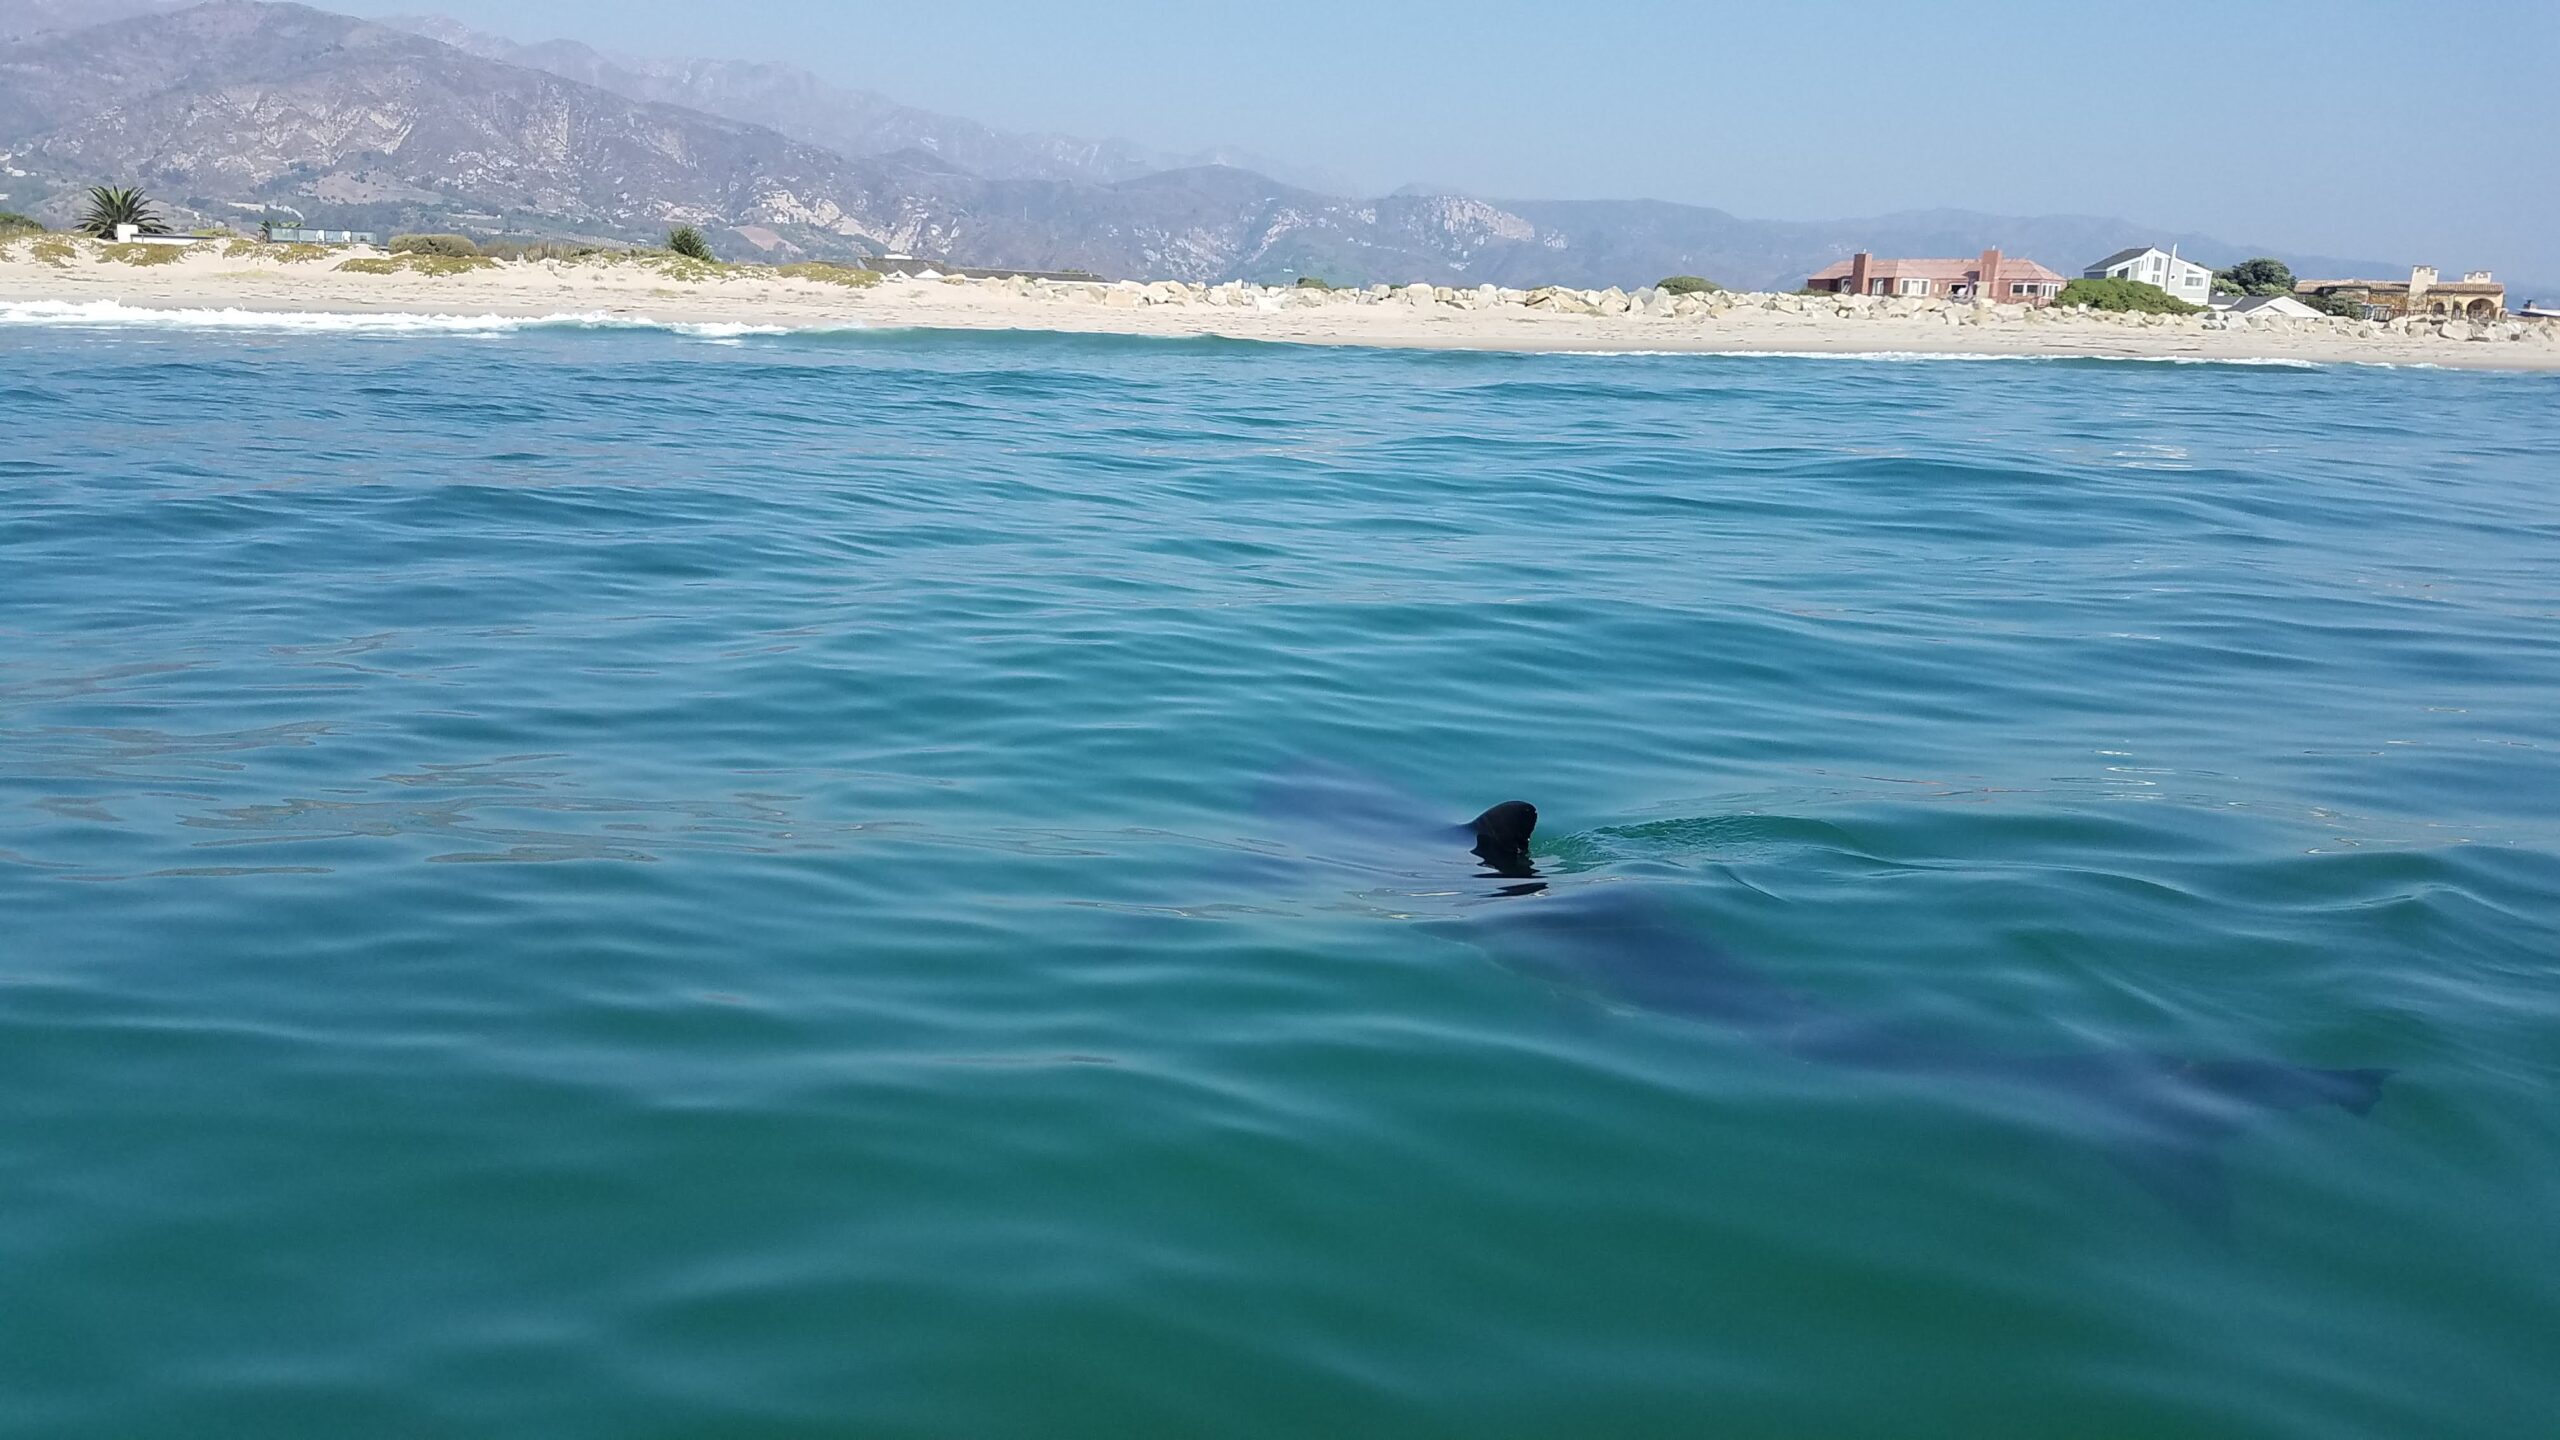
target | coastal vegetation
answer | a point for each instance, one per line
(1314, 282)
(2123, 295)
(2264, 275)
(538, 250)
(676, 267)
(416, 263)
(1687, 285)
(457, 246)
(827, 274)
(13, 223)
(2331, 303)
(686, 241)
(112, 207)
(141, 254)
(244, 248)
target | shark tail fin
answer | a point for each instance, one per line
(2177, 1155)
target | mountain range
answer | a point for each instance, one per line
(849, 122)
(242, 108)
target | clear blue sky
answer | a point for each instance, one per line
(2401, 131)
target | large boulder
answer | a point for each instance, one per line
(1418, 295)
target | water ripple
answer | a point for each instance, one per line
(591, 883)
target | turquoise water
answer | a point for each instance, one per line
(619, 884)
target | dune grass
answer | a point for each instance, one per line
(438, 266)
(141, 254)
(294, 254)
(826, 274)
(686, 268)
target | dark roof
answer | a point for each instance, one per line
(2122, 256)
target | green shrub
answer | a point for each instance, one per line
(460, 246)
(2123, 295)
(13, 223)
(2334, 303)
(1687, 285)
(688, 242)
(2265, 275)
(1313, 282)
(830, 274)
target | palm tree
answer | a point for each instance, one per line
(110, 207)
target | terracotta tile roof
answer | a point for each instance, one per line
(1941, 271)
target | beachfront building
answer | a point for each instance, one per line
(2151, 265)
(2476, 296)
(1991, 276)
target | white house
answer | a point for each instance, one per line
(2152, 265)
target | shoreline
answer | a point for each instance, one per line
(44, 279)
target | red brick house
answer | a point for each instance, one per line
(1991, 277)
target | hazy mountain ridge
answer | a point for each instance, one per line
(26, 19)
(240, 104)
(849, 121)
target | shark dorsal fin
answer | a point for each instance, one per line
(1502, 835)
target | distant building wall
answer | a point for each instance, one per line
(1989, 277)
(2475, 296)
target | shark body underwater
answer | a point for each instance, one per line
(2164, 1120)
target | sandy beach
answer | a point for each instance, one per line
(56, 279)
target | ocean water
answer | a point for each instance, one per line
(602, 882)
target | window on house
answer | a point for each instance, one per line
(1915, 287)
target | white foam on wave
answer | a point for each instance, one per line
(116, 315)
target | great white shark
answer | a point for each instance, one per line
(2165, 1120)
